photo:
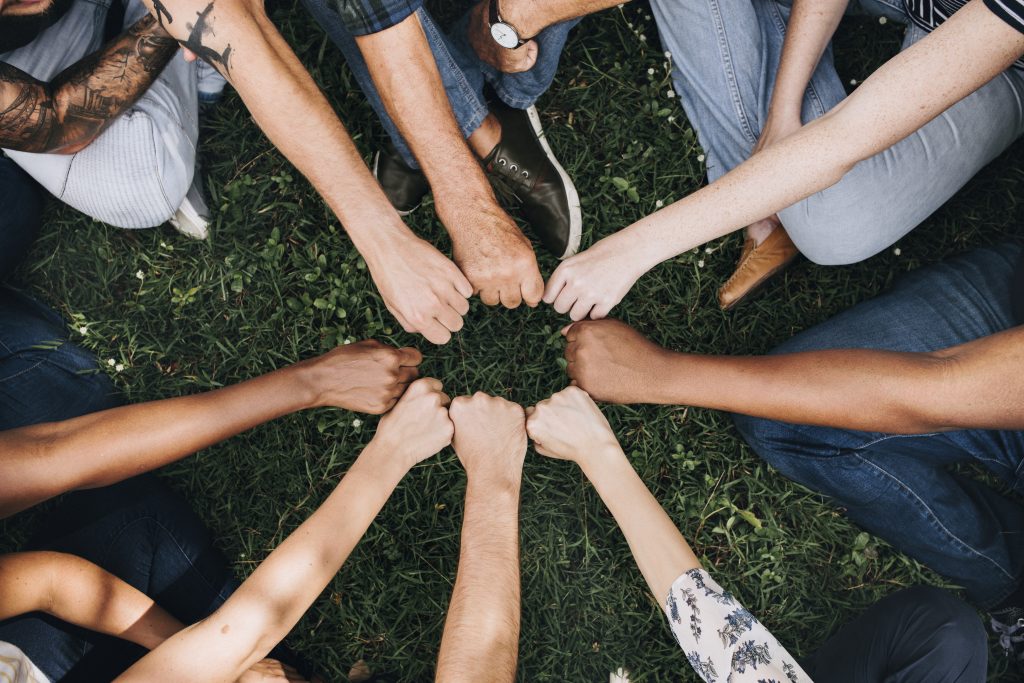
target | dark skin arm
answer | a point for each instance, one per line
(67, 114)
(975, 385)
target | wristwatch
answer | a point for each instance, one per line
(504, 33)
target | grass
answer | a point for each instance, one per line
(280, 281)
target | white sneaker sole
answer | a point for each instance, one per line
(191, 218)
(575, 211)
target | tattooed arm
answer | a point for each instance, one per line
(67, 114)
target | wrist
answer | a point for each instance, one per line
(382, 462)
(523, 15)
(603, 462)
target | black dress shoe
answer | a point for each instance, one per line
(525, 161)
(404, 186)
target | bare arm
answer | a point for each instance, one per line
(976, 385)
(568, 426)
(65, 115)
(912, 88)
(41, 461)
(270, 602)
(78, 592)
(481, 632)
(488, 246)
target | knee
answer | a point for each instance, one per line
(767, 439)
(130, 177)
(946, 631)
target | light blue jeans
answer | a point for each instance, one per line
(137, 172)
(725, 56)
(462, 72)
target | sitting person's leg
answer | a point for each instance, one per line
(917, 635)
(21, 206)
(139, 172)
(43, 376)
(897, 486)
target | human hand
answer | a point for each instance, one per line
(594, 281)
(777, 127)
(270, 670)
(425, 291)
(613, 362)
(417, 427)
(492, 252)
(367, 377)
(569, 426)
(503, 59)
(490, 437)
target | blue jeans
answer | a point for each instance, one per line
(900, 487)
(725, 57)
(462, 72)
(21, 207)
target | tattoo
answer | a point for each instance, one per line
(161, 12)
(68, 113)
(200, 29)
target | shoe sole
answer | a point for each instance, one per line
(403, 214)
(575, 211)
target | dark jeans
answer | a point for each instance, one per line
(21, 206)
(148, 536)
(901, 487)
(917, 635)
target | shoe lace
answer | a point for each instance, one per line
(511, 170)
(1011, 637)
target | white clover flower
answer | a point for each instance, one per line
(643, 38)
(700, 264)
(668, 55)
(650, 72)
(670, 93)
(83, 330)
(853, 81)
(357, 423)
(883, 20)
(163, 245)
(658, 204)
(708, 250)
(670, 119)
(347, 342)
(700, 158)
(896, 251)
(111, 362)
(119, 367)
(139, 274)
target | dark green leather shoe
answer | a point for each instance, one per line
(524, 160)
(405, 187)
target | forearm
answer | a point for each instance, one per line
(811, 26)
(405, 73)
(67, 114)
(78, 592)
(660, 551)
(42, 461)
(273, 599)
(970, 386)
(481, 632)
(917, 85)
(240, 40)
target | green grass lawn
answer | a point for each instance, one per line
(279, 281)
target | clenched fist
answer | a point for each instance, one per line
(367, 377)
(490, 437)
(613, 362)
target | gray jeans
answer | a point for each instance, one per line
(137, 172)
(725, 57)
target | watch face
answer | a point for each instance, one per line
(505, 35)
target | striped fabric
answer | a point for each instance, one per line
(928, 14)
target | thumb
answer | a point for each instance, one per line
(188, 55)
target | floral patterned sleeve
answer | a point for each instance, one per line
(723, 642)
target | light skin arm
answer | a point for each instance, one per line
(911, 89)
(416, 282)
(66, 114)
(481, 632)
(971, 386)
(273, 599)
(568, 426)
(42, 461)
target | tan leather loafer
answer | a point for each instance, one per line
(756, 266)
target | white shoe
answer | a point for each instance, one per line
(192, 218)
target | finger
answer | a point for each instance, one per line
(510, 297)
(409, 356)
(570, 353)
(459, 281)
(490, 297)
(540, 449)
(532, 291)
(449, 318)
(569, 333)
(458, 302)
(436, 333)
(554, 286)
(580, 309)
(407, 374)
(425, 385)
(565, 301)
(529, 410)
(600, 311)
(188, 54)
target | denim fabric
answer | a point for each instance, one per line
(462, 73)
(900, 487)
(726, 55)
(21, 206)
(917, 635)
(43, 376)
